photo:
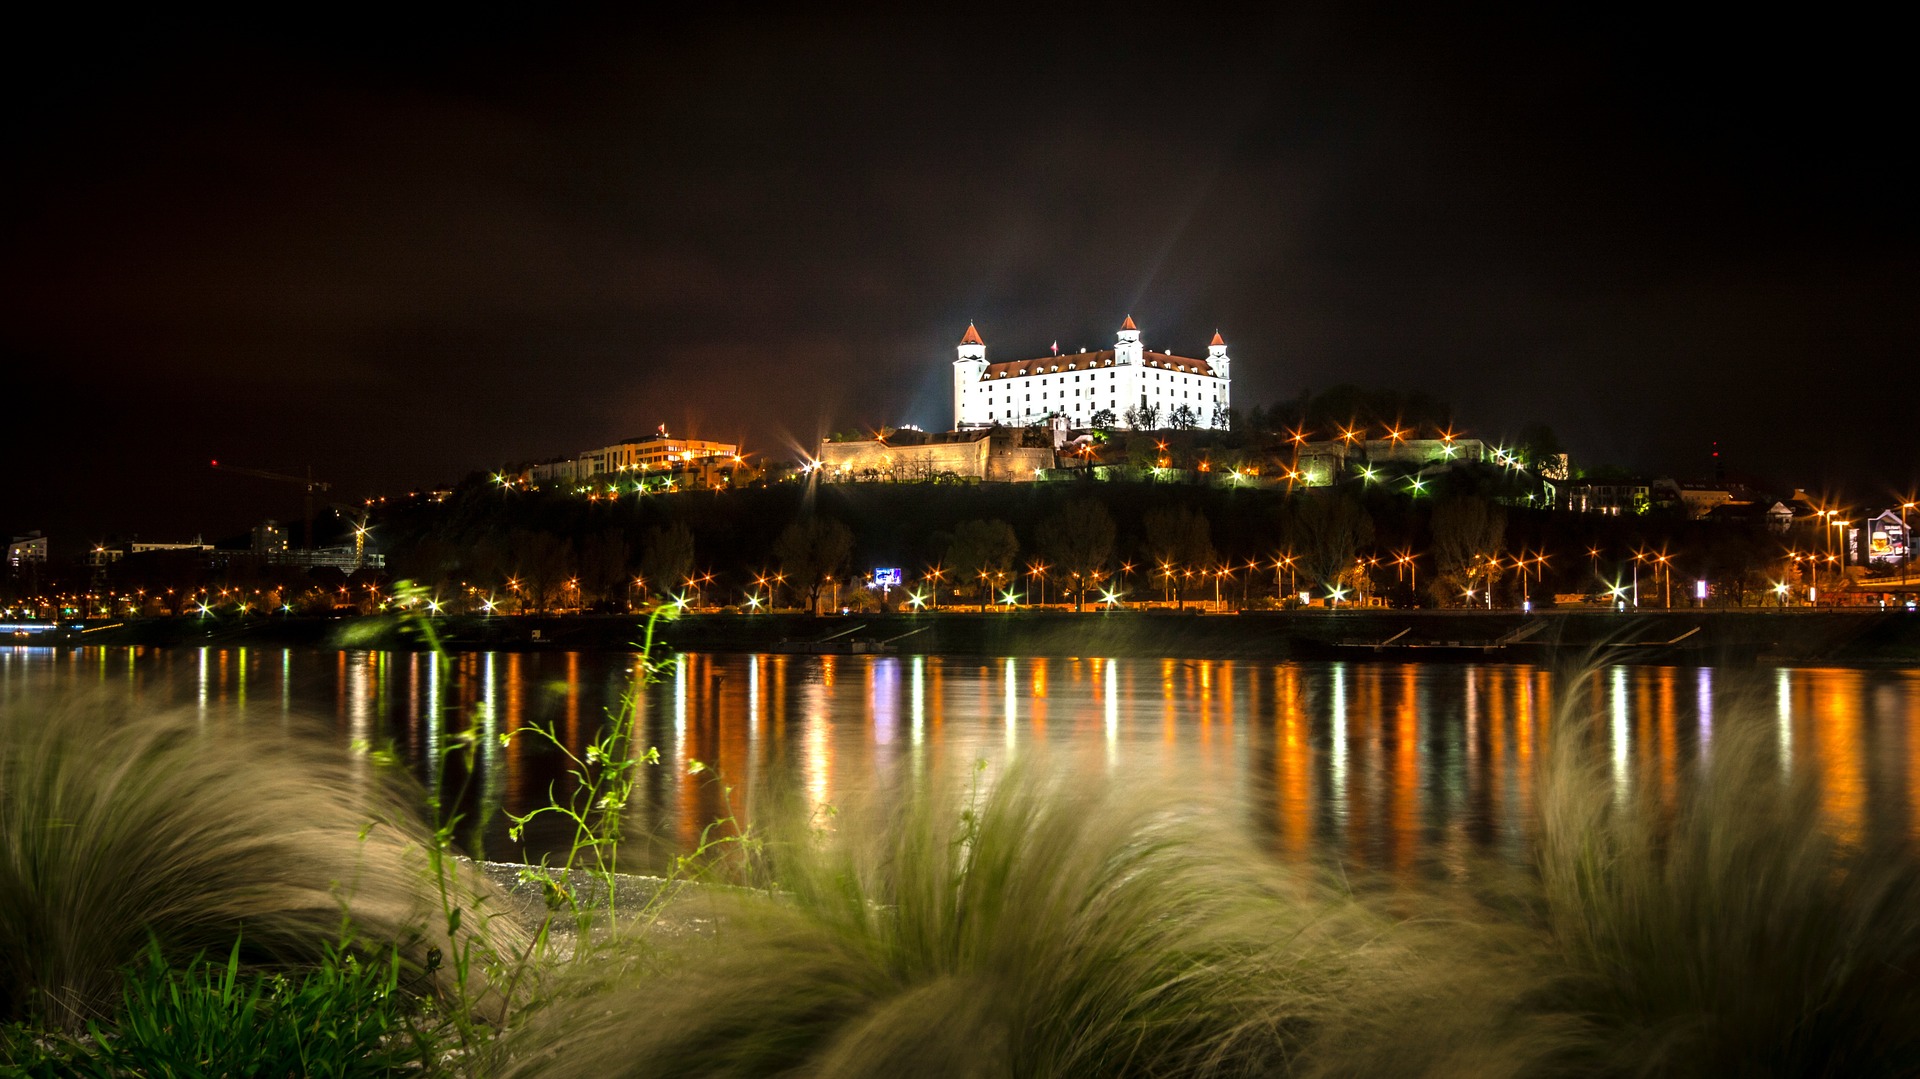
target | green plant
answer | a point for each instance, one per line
(604, 774)
(119, 827)
(345, 1016)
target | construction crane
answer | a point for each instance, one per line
(360, 527)
(306, 481)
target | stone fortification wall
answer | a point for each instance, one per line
(871, 459)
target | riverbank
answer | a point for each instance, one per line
(1790, 637)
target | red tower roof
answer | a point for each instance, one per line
(972, 337)
(1128, 325)
(1217, 339)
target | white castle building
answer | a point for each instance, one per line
(1140, 388)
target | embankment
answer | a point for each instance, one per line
(1862, 637)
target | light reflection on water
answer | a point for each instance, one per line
(1394, 767)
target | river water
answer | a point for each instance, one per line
(1400, 768)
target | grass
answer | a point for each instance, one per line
(1046, 921)
(1731, 934)
(343, 1018)
(122, 829)
(1054, 925)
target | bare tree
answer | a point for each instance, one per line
(668, 558)
(603, 564)
(543, 562)
(1467, 531)
(1327, 529)
(812, 551)
(1178, 537)
(981, 553)
(1078, 540)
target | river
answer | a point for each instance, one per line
(1395, 768)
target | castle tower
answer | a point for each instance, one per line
(970, 364)
(1217, 356)
(1127, 349)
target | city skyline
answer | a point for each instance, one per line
(397, 258)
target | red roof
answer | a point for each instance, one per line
(1128, 325)
(972, 337)
(1044, 365)
(1217, 339)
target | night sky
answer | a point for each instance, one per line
(401, 252)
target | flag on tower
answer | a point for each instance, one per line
(1056, 348)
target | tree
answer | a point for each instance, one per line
(603, 564)
(1143, 417)
(543, 562)
(1078, 540)
(1183, 418)
(1178, 536)
(982, 551)
(812, 551)
(1326, 530)
(668, 559)
(1466, 531)
(1540, 450)
(1103, 419)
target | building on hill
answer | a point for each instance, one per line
(1612, 498)
(657, 452)
(1136, 387)
(658, 455)
(995, 454)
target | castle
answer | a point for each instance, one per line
(1134, 387)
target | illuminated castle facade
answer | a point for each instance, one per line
(1137, 387)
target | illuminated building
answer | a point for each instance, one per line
(1139, 388)
(997, 455)
(28, 549)
(659, 454)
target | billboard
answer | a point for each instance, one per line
(888, 578)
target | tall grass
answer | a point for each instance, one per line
(1730, 934)
(1061, 925)
(119, 826)
(1056, 925)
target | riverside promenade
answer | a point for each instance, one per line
(1862, 636)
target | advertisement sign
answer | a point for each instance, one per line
(888, 578)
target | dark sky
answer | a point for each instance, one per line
(398, 252)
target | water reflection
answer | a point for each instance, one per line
(1401, 768)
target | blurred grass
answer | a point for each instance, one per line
(1730, 934)
(1050, 920)
(1056, 924)
(120, 826)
